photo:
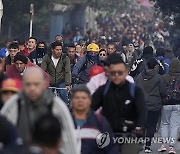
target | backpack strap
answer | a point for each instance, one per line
(132, 88)
(106, 88)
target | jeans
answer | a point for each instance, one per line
(63, 93)
(153, 117)
(170, 122)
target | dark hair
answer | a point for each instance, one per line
(152, 63)
(71, 46)
(115, 58)
(160, 52)
(13, 45)
(42, 42)
(33, 39)
(47, 131)
(55, 44)
(21, 42)
(81, 88)
(101, 50)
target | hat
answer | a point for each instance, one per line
(147, 52)
(11, 85)
(93, 47)
(21, 57)
(95, 70)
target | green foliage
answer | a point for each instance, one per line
(169, 8)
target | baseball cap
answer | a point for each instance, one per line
(11, 85)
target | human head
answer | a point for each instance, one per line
(81, 99)
(41, 45)
(56, 48)
(117, 69)
(130, 47)
(32, 42)
(78, 33)
(9, 88)
(71, 51)
(160, 52)
(47, 132)
(103, 54)
(20, 61)
(7, 42)
(58, 38)
(13, 49)
(79, 50)
(147, 52)
(21, 45)
(92, 51)
(111, 48)
(34, 83)
(152, 63)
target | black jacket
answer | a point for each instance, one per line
(118, 106)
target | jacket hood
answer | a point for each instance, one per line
(148, 74)
(174, 66)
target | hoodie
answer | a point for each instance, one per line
(174, 70)
(151, 83)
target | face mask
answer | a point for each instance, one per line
(92, 57)
(40, 52)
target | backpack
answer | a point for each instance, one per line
(173, 89)
(132, 87)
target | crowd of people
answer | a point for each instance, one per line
(122, 80)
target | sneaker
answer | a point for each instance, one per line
(147, 150)
(163, 148)
(171, 150)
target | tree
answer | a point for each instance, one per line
(169, 8)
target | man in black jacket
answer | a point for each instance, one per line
(122, 103)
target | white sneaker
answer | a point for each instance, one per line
(171, 150)
(147, 150)
(163, 148)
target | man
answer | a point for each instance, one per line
(89, 125)
(81, 69)
(35, 100)
(17, 69)
(139, 64)
(46, 135)
(78, 37)
(71, 52)
(9, 60)
(37, 55)
(8, 89)
(4, 51)
(122, 104)
(57, 65)
(58, 38)
(79, 50)
(101, 79)
(31, 45)
(111, 48)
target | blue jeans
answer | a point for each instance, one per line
(63, 93)
(170, 122)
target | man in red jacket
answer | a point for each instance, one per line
(20, 65)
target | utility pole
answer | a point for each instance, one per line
(31, 20)
(1, 13)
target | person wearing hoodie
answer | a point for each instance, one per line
(170, 120)
(139, 65)
(151, 83)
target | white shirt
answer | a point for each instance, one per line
(101, 79)
(55, 61)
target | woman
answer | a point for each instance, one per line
(151, 83)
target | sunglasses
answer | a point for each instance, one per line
(114, 73)
(102, 54)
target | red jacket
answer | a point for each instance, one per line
(13, 73)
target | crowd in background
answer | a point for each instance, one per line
(131, 69)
